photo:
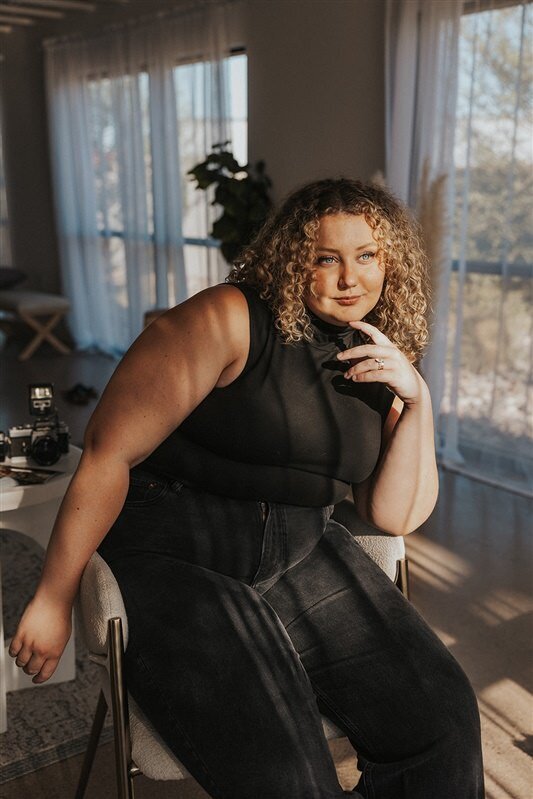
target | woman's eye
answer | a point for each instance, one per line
(326, 259)
(367, 256)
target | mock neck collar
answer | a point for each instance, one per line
(326, 333)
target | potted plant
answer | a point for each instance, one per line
(242, 191)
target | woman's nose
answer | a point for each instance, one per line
(349, 276)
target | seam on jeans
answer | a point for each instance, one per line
(265, 542)
(284, 554)
(174, 723)
(314, 605)
(287, 571)
(344, 720)
(368, 782)
(164, 488)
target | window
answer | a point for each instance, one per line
(489, 359)
(201, 254)
(112, 178)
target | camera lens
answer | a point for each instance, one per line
(45, 450)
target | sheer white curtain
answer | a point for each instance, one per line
(130, 111)
(422, 44)
(486, 419)
(456, 100)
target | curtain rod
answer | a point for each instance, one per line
(475, 6)
(177, 11)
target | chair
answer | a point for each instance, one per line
(28, 306)
(138, 747)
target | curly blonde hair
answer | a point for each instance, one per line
(280, 261)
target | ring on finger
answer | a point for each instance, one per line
(380, 362)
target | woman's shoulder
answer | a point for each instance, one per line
(216, 316)
(256, 304)
(223, 295)
(237, 303)
(216, 305)
(237, 297)
(232, 313)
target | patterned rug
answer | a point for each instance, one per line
(50, 722)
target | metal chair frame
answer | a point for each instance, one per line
(126, 769)
(113, 661)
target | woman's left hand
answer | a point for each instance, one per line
(397, 373)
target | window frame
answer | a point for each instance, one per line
(208, 241)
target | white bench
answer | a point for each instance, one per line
(27, 306)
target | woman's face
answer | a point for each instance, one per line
(348, 277)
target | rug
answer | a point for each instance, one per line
(50, 722)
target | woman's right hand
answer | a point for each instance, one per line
(41, 637)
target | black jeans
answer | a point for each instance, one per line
(247, 620)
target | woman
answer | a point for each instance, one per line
(213, 461)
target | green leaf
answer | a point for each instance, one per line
(257, 212)
(227, 160)
(204, 176)
(225, 229)
(245, 202)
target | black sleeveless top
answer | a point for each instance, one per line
(289, 429)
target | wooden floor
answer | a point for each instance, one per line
(471, 578)
(59, 781)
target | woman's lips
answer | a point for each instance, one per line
(348, 300)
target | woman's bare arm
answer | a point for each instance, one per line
(166, 373)
(403, 488)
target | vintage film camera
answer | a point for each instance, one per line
(45, 440)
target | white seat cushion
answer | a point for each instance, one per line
(99, 599)
(32, 302)
(149, 752)
(386, 550)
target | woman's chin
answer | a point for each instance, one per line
(338, 313)
(344, 314)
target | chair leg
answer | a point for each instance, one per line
(94, 737)
(119, 698)
(402, 576)
(44, 333)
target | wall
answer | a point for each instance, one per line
(316, 88)
(316, 109)
(28, 179)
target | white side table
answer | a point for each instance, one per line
(31, 510)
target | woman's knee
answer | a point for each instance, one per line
(451, 705)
